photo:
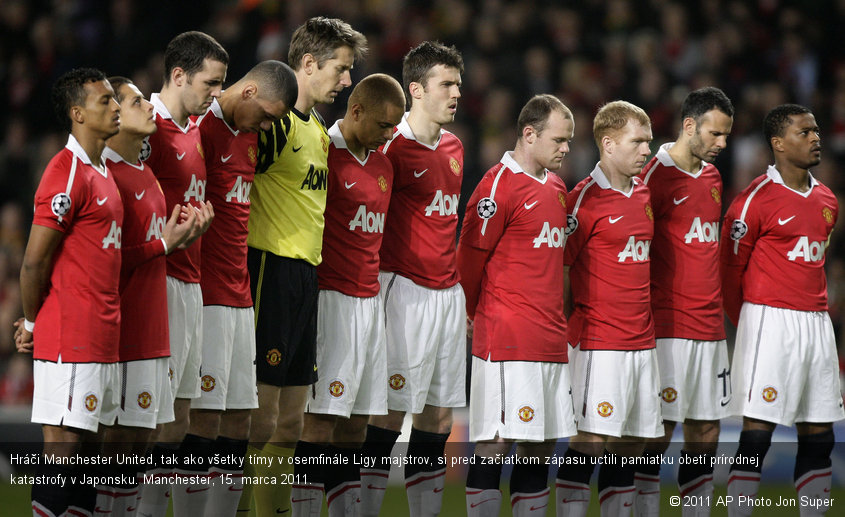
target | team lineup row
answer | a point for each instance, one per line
(216, 272)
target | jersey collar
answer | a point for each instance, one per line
(405, 130)
(603, 183)
(508, 161)
(665, 159)
(218, 112)
(111, 154)
(774, 174)
(76, 148)
(339, 142)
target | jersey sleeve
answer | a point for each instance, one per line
(578, 226)
(739, 234)
(272, 142)
(134, 256)
(60, 195)
(483, 225)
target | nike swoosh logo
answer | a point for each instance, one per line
(473, 505)
(233, 489)
(299, 501)
(139, 196)
(130, 509)
(371, 487)
(349, 185)
(679, 201)
(225, 159)
(100, 510)
(296, 149)
(537, 507)
(626, 505)
(725, 403)
(279, 511)
(613, 221)
(103, 201)
(529, 207)
(784, 221)
(190, 490)
(418, 174)
(826, 490)
(566, 501)
(180, 156)
(438, 490)
(643, 492)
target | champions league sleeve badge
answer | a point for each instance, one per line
(60, 205)
(738, 229)
(486, 208)
(571, 224)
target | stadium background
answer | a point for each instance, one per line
(650, 52)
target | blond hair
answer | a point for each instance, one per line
(614, 116)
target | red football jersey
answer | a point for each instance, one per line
(79, 319)
(176, 157)
(607, 251)
(230, 158)
(522, 220)
(685, 284)
(773, 245)
(422, 222)
(143, 289)
(356, 206)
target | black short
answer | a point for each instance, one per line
(285, 293)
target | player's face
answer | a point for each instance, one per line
(375, 126)
(552, 143)
(711, 135)
(204, 86)
(801, 141)
(329, 80)
(101, 111)
(136, 113)
(254, 114)
(440, 94)
(630, 149)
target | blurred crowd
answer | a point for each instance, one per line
(650, 52)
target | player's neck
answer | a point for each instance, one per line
(529, 166)
(355, 147)
(127, 146)
(425, 130)
(683, 158)
(794, 177)
(92, 144)
(227, 107)
(169, 96)
(617, 180)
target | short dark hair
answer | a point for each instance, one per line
(188, 51)
(536, 112)
(778, 118)
(418, 62)
(701, 101)
(377, 90)
(69, 91)
(276, 81)
(321, 37)
(116, 82)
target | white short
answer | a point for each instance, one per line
(520, 400)
(145, 396)
(695, 379)
(351, 359)
(184, 315)
(785, 366)
(227, 373)
(426, 344)
(616, 392)
(74, 394)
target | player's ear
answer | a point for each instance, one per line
(309, 63)
(607, 143)
(250, 90)
(76, 114)
(777, 144)
(178, 76)
(416, 90)
(689, 126)
(357, 111)
(529, 134)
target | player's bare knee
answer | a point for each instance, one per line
(434, 419)
(350, 432)
(393, 420)
(263, 424)
(701, 435)
(205, 423)
(317, 428)
(235, 424)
